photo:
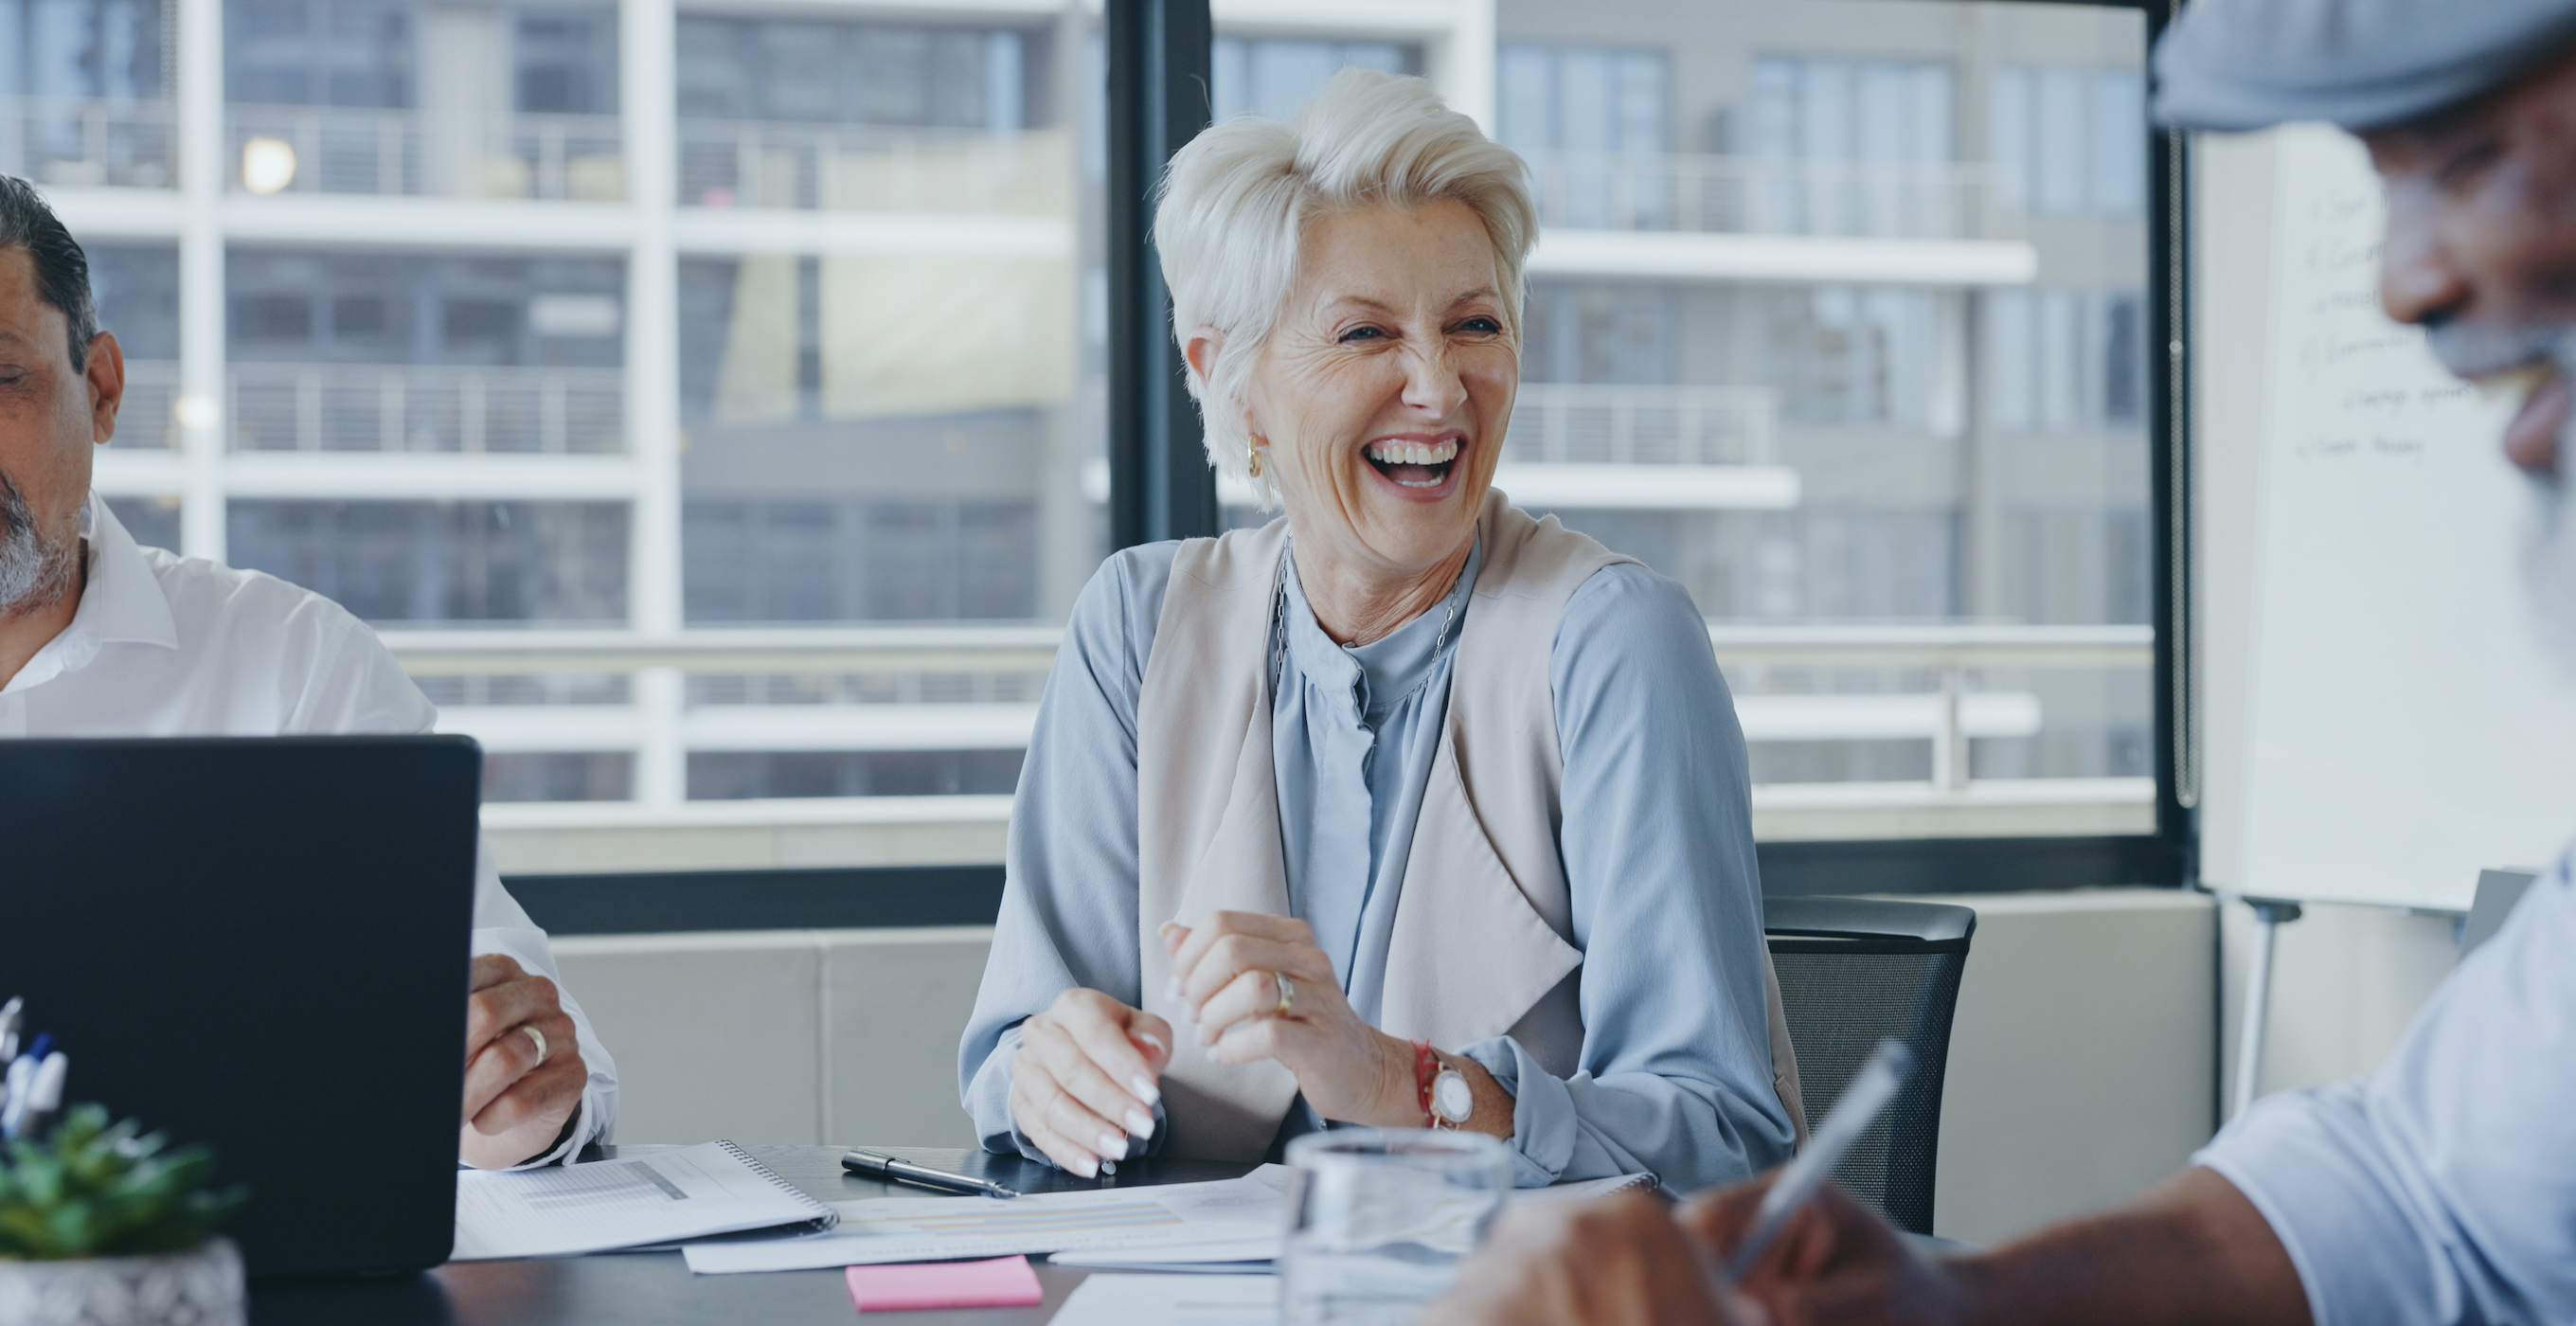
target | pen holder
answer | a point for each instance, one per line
(200, 1286)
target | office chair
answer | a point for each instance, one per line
(1855, 970)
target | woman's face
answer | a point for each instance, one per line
(1385, 389)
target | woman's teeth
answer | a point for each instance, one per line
(1413, 453)
(1413, 464)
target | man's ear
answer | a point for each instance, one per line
(106, 375)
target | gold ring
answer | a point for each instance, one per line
(1287, 992)
(539, 1037)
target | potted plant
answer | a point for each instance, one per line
(101, 1226)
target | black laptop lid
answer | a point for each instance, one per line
(260, 944)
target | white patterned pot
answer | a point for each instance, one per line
(199, 1287)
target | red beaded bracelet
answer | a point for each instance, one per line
(1426, 1070)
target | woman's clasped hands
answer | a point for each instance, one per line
(1227, 976)
(1251, 987)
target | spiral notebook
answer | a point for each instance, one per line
(658, 1197)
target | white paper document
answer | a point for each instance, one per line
(1581, 1189)
(1249, 1210)
(1256, 1256)
(1172, 1300)
(1241, 1256)
(710, 1189)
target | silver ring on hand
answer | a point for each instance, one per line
(539, 1037)
(1287, 992)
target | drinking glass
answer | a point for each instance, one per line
(1382, 1217)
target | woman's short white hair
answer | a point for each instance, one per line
(1236, 200)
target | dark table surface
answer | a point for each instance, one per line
(654, 1288)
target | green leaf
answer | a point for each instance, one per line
(96, 1189)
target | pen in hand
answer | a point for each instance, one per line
(1871, 1089)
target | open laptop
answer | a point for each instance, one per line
(260, 944)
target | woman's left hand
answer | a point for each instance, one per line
(1226, 971)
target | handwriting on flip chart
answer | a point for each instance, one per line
(2400, 730)
(2365, 390)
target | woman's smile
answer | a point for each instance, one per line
(1420, 466)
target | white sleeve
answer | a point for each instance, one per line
(2438, 1190)
(502, 926)
(358, 687)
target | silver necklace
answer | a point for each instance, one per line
(1279, 621)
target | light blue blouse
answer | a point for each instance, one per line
(1674, 1077)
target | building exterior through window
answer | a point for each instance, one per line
(712, 419)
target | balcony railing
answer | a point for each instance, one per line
(1945, 696)
(149, 417)
(875, 168)
(1757, 196)
(83, 142)
(345, 149)
(1586, 424)
(365, 407)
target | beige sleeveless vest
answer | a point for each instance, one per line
(1481, 942)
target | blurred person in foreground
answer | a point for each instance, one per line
(101, 637)
(1404, 802)
(2442, 1187)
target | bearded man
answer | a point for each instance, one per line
(102, 638)
(2441, 1188)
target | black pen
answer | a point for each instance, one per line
(904, 1171)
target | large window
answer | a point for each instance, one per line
(1898, 247)
(762, 469)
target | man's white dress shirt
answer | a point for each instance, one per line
(2441, 1188)
(170, 646)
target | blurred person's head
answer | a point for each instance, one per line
(1346, 287)
(2469, 113)
(61, 379)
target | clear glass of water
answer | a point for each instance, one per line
(1382, 1217)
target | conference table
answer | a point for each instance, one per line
(657, 1288)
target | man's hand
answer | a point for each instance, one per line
(1614, 1261)
(516, 1106)
(2194, 1251)
(1834, 1261)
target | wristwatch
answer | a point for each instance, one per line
(1447, 1100)
(1452, 1100)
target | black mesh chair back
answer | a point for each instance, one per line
(1852, 972)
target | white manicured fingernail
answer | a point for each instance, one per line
(1145, 1089)
(1166, 929)
(1113, 1147)
(1140, 1124)
(1172, 988)
(1086, 1167)
(1156, 1041)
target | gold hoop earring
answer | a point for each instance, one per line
(1254, 459)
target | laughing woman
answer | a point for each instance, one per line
(1405, 809)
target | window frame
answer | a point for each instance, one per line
(1159, 64)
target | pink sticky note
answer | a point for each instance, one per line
(1004, 1282)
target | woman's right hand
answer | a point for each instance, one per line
(1083, 1081)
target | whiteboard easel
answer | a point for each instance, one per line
(2404, 730)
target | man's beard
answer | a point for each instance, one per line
(2548, 552)
(35, 572)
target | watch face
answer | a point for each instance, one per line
(1452, 1097)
